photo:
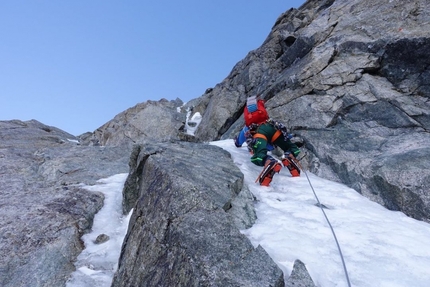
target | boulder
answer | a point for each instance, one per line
(184, 230)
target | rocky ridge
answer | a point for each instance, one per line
(159, 120)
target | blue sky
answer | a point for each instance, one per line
(77, 64)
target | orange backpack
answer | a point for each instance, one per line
(255, 112)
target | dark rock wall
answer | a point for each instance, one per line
(351, 79)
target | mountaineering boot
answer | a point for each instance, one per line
(271, 166)
(289, 163)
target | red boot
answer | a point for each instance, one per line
(292, 166)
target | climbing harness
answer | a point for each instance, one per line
(328, 221)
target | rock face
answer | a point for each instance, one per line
(352, 78)
(190, 215)
(184, 230)
(44, 211)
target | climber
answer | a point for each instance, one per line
(265, 133)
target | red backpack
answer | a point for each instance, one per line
(255, 112)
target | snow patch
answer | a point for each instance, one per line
(97, 263)
(192, 123)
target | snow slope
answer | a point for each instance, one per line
(381, 248)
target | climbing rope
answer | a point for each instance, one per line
(328, 221)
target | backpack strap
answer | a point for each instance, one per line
(274, 137)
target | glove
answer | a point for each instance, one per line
(250, 141)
